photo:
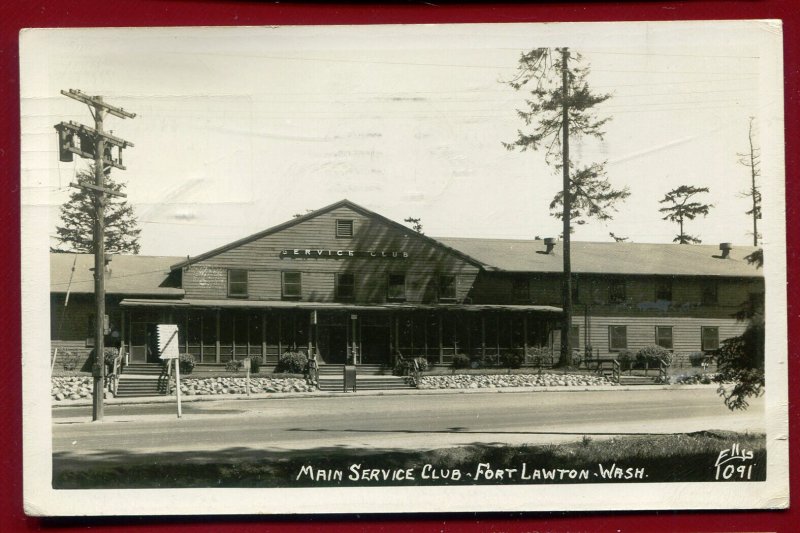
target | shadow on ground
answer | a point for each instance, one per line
(660, 458)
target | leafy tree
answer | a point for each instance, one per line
(75, 232)
(752, 160)
(560, 107)
(741, 359)
(682, 207)
(416, 223)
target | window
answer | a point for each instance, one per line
(664, 336)
(617, 338)
(520, 289)
(616, 291)
(709, 293)
(447, 287)
(237, 283)
(709, 338)
(291, 284)
(396, 288)
(345, 286)
(344, 228)
(664, 290)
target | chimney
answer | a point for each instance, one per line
(725, 248)
(550, 243)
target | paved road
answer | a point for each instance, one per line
(238, 428)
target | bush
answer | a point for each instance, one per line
(69, 360)
(186, 362)
(404, 366)
(538, 356)
(626, 359)
(649, 356)
(255, 364)
(511, 359)
(461, 360)
(109, 354)
(234, 366)
(696, 358)
(292, 363)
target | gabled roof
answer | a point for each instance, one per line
(125, 275)
(299, 220)
(624, 258)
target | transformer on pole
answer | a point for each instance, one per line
(96, 144)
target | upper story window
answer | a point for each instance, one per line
(447, 287)
(291, 285)
(617, 291)
(664, 289)
(237, 283)
(344, 228)
(520, 290)
(345, 286)
(709, 293)
(396, 287)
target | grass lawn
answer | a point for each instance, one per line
(632, 459)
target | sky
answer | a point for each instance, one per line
(238, 129)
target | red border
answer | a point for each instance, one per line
(71, 13)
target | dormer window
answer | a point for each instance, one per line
(344, 228)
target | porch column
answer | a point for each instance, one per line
(264, 335)
(216, 340)
(441, 326)
(122, 337)
(483, 335)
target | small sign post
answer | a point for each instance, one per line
(247, 379)
(168, 348)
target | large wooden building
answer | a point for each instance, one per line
(351, 285)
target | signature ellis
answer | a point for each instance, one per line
(733, 464)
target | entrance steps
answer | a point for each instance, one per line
(368, 377)
(140, 380)
(637, 380)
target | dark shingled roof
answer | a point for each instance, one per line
(126, 274)
(517, 255)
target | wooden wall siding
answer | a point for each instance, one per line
(71, 323)
(641, 332)
(262, 258)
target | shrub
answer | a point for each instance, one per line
(696, 358)
(255, 364)
(538, 356)
(69, 360)
(186, 362)
(626, 359)
(461, 360)
(650, 355)
(511, 359)
(234, 366)
(109, 354)
(292, 363)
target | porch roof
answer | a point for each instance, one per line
(329, 306)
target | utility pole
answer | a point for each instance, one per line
(94, 143)
(566, 348)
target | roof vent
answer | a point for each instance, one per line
(725, 248)
(550, 243)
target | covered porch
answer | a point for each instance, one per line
(218, 331)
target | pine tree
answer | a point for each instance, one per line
(561, 107)
(752, 160)
(682, 207)
(416, 223)
(74, 233)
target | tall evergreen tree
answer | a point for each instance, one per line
(562, 107)
(752, 160)
(74, 233)
(416, 223)
(682, 207)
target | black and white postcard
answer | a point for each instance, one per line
(404, 269)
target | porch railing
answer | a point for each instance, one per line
(116, 370)
(616, 371)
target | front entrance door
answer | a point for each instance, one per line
(332, 341)
(144, 343)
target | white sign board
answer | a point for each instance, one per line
(168, 341)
